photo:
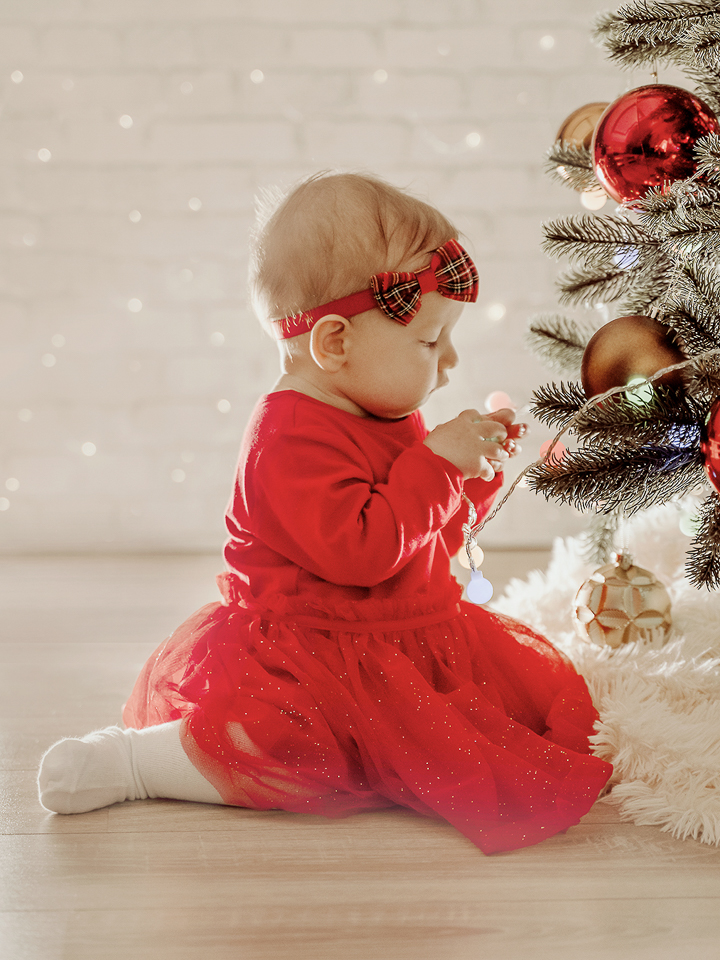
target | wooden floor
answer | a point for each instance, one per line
(161, 880)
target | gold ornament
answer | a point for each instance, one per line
(622, 603)
(577, 130)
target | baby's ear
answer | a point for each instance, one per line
(329, 342)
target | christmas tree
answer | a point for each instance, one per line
(643, 434)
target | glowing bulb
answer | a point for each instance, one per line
(380, 76)
(186, 88)
(473, 139)
(48, 360)
(58, 340)
(593, 199)
(477, 555)
(547, 42)
(89, 449)
(4, 503)
(125, 121)
(12, 484)
(135, 216)
(497, 400)
(25, 415)
(16, 76)
(194, 203)
(177, 476)
(134, 305)
(642, 394)
(29, 240)
(224, 406)
(479, 590)
(257, 76)
(217, 339)
(44, 154)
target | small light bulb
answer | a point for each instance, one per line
(380, 76)
(473, 139)
(135, 216)
(177, 476)
(44, 154)
(125, 121)
(257, 76)
(12, 484)
(134, 305)
(547, 42)
(194, 203)
(89, 449)
(16, 76)
(4, 503)
(593, 199)
(224, 406)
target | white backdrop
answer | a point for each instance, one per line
(133, 137)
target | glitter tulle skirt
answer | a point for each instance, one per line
(442, 707)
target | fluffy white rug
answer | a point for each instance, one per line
(659, 708)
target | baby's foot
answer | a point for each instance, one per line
(80, 775)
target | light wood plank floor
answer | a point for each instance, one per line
(161, 880)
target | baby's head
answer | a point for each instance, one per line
(324, 282)
(329, 235)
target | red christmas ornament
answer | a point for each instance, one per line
(710, 445)
(646, 138)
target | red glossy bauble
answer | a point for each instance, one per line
(710, 446)
(646, 138)
(627, 348)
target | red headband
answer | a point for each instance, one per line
(399, 295)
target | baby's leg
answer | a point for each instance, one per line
(112, 765)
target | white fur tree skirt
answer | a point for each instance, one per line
(659, 708)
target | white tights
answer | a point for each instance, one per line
(112, 765)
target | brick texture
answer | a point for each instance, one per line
(133, 138)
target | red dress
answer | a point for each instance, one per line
(342, 672)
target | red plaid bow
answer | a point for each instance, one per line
(399, 295)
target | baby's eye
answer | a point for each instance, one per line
(430, 343)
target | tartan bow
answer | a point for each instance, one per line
(451, 272)
(399, 295)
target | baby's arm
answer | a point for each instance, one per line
(480, 489)
(313, 497)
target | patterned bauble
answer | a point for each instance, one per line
(626, 349)
(622, 603)
(646, 138)
(577, 129)
(710, 445)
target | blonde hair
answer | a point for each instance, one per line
(329, 234)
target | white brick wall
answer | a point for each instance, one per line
(112, 217)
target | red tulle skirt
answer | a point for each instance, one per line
(447, 709)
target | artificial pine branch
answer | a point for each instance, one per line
(557, 404)
(703, 42)
(650, 30)
(703, 558)
(707, 156)
(668, 419)
(619, 479)
(587, 287)
(594, 240)
(572, 166)
(558, 341)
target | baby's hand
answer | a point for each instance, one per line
(476, 443)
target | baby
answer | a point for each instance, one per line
(342, 671)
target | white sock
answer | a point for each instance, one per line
(112, 765)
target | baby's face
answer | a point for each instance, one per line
(392, 369)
